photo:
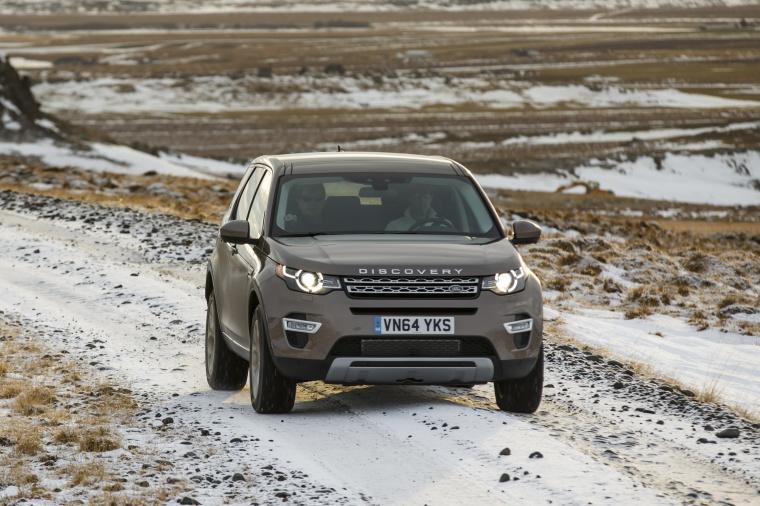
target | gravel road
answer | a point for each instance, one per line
(122, 290)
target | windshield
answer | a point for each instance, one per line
(377, 203)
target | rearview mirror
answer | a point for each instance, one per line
(235, 232)
(525, 232)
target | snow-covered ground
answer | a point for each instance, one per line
(208, 6)
(725, 180)
(217, 94)
(122, 290)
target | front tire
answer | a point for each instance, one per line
(271, 392)
(522, 395)
(224, 369)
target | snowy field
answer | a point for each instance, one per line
(208, 6)
(120, 290)
(722, 180)
(223, 94)
(123, 291)
(711, 180)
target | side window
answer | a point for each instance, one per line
(259, 206)
(246, 196)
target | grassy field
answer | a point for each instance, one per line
(692, 50)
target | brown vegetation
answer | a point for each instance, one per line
(71, 422)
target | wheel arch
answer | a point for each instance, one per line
(209, 283)
(254, 301)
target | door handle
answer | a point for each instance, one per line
(233, 249)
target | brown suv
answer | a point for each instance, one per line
(370, 268)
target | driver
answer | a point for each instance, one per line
(310, 204)
(418, 211)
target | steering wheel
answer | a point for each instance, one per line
(440, 222)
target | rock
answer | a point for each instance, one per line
(167, 421)
(236, 440)
(77, 184)
(703, 441)
(536, 455)
(238, 477)
(728, 433)
(505, 451)
(189, 500)
(618, 385)
(190, 455)
(688, 393)
(709, 428)
(504, 477)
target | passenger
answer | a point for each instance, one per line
(309, 208)
(419, 212)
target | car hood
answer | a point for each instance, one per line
(374, 255)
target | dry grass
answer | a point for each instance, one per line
(632, 313)
(66, 435)
(711, 392)
(708, 61)
(86, 472)
(41, 432)
(34, 400)
(10, 388)
(198, 201)
(98, 439)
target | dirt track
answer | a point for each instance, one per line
(145, 312)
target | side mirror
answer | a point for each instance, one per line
(235, 232)
(525, 232)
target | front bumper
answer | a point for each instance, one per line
(309, 356)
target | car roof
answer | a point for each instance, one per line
(356, 161)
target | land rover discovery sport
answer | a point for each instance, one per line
(370, 268)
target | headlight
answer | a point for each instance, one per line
(307, 281)
(505, 282)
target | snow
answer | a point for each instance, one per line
(386, 427)
(452, 464)
(81, 282)
(217, 94)
(21, 63)
(212, 6)
(703, 360)
(600, 136)
(721, 179)
(120, 159)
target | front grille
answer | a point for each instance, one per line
(359, 346)
(423, 287)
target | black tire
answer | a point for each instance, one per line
(224, 369)
(271, 392)
(522, 395)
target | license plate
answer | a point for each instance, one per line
(414, 325)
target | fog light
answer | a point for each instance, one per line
(301, 325)
(519, 326)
